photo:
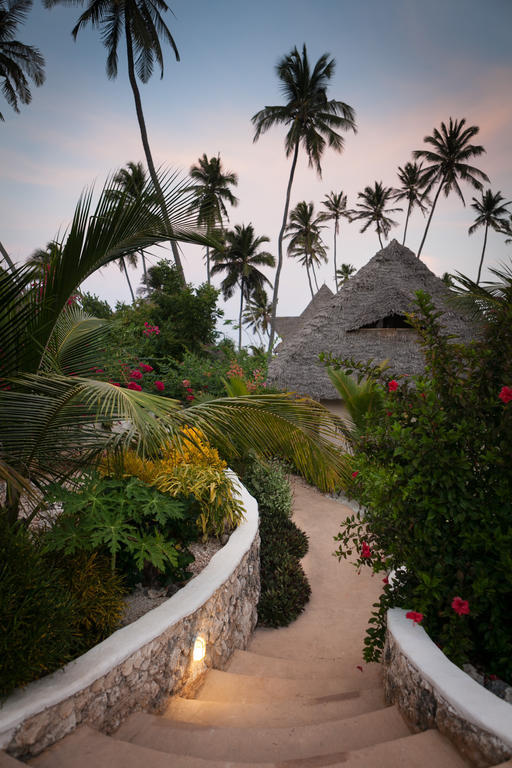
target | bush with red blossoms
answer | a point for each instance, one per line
(435, 488)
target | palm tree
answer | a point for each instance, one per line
(335, 204)
(305, 239)
(492, 212)
(51, 410)
(42, 257)
(132, 182)
(344, 272)
(240, 258)
(141, 23)
(313, 120)
(17, 61)
(373, 209)
(212, 191)
(413, 189)
(258, 314)
(451, 149)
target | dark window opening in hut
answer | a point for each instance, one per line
(390, 321)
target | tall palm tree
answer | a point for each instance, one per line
(344, 272)
(413, 189)
(373, 209)
(492, 212)
(142, 25)
(335, 204)
(312, 119)
(240, 257)
(212, 192)
(17, 61)
(258, 314)
(447, 162)
(305, 239)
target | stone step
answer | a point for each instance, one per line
(275, 714)
(227, 686)
(248, 663)
(263, 744)
(88, 748)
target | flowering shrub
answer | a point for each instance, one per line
(435, 479)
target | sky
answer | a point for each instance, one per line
(403, 65)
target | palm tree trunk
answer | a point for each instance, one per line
(145, 144)
(280, 251)
(335, 276)
(7, 258)
(430, 217)
(378, 235)
(314, 273)
(483, 252)
(144, 270)
(128, 279)
(240, 316)
(406, 221)
(309, 280)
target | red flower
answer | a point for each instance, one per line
(186, 383)
(414, 616)
(190, 397)
(385, 580)
(135, 375)
(355, 474)
(359, 667)
(392, 385)
(389, 413)
(365, 550)
(146, 368)
(160, 386)
(115, 384)
(189, 389)
(506, 394)
(460, 606)
(133, 385)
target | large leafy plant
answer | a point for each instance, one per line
(432, 471)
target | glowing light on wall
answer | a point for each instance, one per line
(199, 651)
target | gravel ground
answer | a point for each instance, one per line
(143, 599)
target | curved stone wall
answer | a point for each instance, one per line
(434, 693)
(140, 665)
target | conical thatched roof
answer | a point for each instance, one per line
(287, 326)
(359, 322)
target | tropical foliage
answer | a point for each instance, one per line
(372, 209)
(335, 204)
(19, 63)
(306, 243)
(313, 122)
(413, 189)
(492, 211)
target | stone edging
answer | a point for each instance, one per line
(141, 664)
(434, 693)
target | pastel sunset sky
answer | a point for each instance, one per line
(403, 65)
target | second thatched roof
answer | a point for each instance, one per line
(365, 320)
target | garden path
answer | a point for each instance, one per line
(299, 696)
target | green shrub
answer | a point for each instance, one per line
(434, 473)
(285, 589)
(37, 611)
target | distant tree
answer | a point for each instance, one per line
(491, 212)
(305, 239)
(414, 188)
(312, 120)
(43, 256)
(95, 306)
(447, 162)
(373, 209)
(335, 204)
(447, 279)
(212, 192)
(258, 314)
(142, 25)
(240, 258)
(344, 272)
(132, 183)
(17, 61)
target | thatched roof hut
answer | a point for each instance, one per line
(365, 320)
(287, 326)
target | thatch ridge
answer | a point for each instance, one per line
(384, 286)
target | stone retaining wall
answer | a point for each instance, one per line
(431, 692)
(138, 666)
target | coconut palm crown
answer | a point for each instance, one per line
(212, 190)
(313, 121)
(372, 208)
(413, 189)
(447, 162)
(335, 204)
(492, 211)
(305, 239)
(19, 63)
